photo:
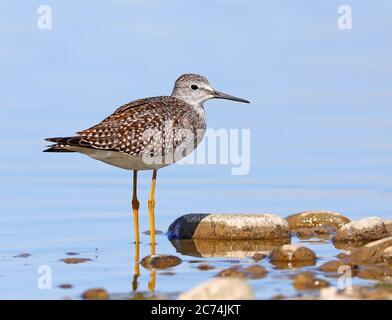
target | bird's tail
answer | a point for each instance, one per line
(60, 144)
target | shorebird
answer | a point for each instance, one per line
(148, 134)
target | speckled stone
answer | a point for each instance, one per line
(160, 261)
(311, 219)
(367, 229)
(220, 289)
(229, 227)
(290, 252)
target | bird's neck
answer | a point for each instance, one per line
(198, 107)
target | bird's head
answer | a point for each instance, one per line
(195, 89)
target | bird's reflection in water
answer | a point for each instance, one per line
(152, 281)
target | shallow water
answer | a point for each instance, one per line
(319, 120)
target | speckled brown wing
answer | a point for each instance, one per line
(154, 126)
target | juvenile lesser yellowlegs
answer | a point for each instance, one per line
(147, 134)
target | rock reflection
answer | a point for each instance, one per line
(226, 248)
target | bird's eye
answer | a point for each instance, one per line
(194, 87)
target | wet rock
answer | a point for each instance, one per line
(331, 266)
(234, 272)
(226, 248)
(348, 246)
(388, 225)
(337, 268)
(252, 272)
(341, 255)
(308, 281)
(311, 219)
(255, 271)
(160, 261)
(375, 272)
(367, 229)
(23, 255)
(387, 255)
(95, 294)
(369, 253)
(258, 256)
(74, 260)
(292, 253)
(220, 289)
(316, 232)
(65, 286)
(229, 227)
(205, 267)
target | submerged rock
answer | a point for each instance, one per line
(292, 253)
(369, 253)
(74, 260)
(311, 219)
(71, 253)
(148, 232)
(336, 268)
(367, 229)
(331, 266)
(233, 272)
(23, 255)
(229, 227)
(308, 281)
(256, 271)
(252, 272)
(160, 261)
(95, 294)
(205, 267)
(220, 289)
(376, 272)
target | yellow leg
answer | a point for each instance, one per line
(137, 270)
(135, 207)
(151, 283)
(151, 206)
